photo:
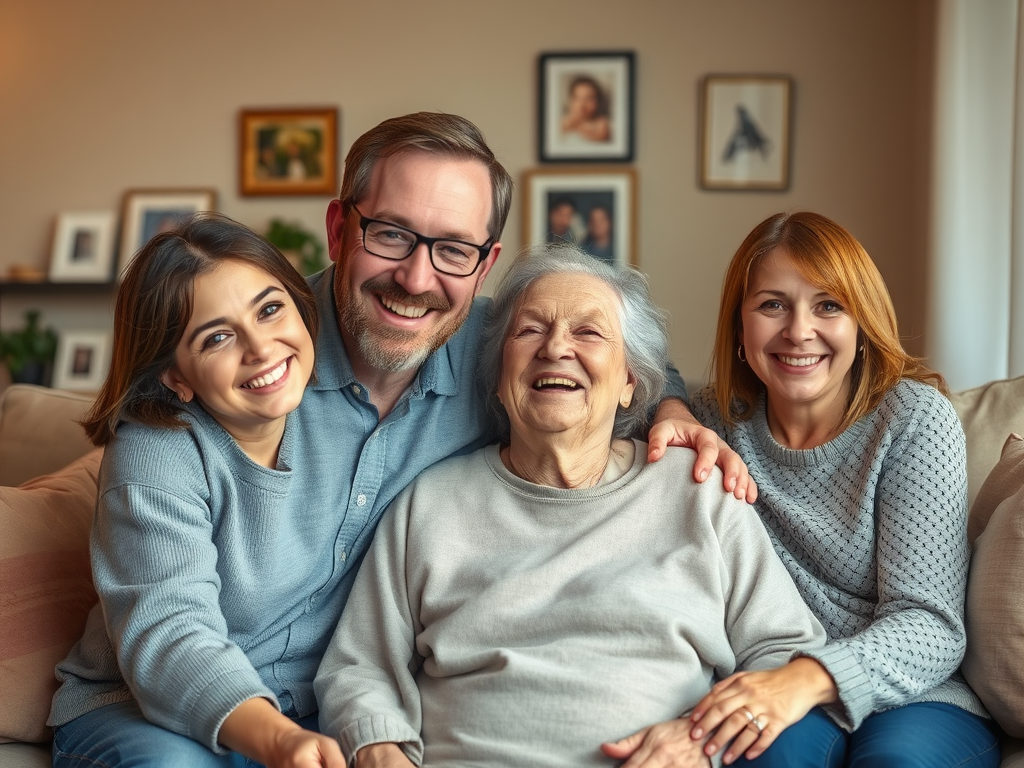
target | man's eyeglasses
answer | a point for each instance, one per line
(390, 241)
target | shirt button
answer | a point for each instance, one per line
(357, 389)
(361, 500)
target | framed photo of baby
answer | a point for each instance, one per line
(586, 107)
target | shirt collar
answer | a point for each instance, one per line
(333, 367)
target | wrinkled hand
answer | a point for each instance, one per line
(663, 744)
(779, 697)
(383, 755)
(675, 425)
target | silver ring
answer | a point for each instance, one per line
(748, 713)
(759, 722)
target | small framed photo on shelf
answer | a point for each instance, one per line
(586, 109)
(594, 208)
(745, 132)
(82, 360)
(288, 151)
(147, 212)
(83, 248)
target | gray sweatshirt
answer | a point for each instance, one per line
(495, 622)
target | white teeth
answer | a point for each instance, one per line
(799, 362)
(555, 382)
(267, 378)
(403, 309)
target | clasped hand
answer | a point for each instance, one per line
(734, 708)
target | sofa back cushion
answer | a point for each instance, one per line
(39, 431)
(994, 662)
(45, 588)
(988, 413)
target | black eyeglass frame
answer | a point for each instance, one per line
(485, 249)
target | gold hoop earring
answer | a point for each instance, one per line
(739, 354)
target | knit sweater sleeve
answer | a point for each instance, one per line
(767, 622)
(154, 566)
(916, 638)
(366, 685)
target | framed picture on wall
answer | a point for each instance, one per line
(82, 360)
(288, 151)
(149, 211)
(594, 208)
(83, 248)
(745, 132)
(586, 107)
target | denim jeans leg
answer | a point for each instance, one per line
(813, 742)
(118, 736)
(925, 735)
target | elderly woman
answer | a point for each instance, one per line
(532, 602)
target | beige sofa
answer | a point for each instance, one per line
(45, 590)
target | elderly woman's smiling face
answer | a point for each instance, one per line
(564, 363)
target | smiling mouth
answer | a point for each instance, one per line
(555, 382)
(403, 310)
(268, 378)
(799, 362)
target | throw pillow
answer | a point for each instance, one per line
(994, 662)
(45, 589)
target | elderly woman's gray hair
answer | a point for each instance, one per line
(644, 327)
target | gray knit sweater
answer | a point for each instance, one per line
(873, 529)
(496, 622)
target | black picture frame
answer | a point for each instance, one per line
(573, 85)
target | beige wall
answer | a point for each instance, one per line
(103, 96)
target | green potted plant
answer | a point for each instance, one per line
(29, 351)
(302, 248)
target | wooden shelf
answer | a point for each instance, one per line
(26, 286)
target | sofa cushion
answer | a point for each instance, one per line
(39, 431)
(994, 662)
(45, 588)
(988, 413)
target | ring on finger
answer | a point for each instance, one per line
(760, 722)
(748, 713)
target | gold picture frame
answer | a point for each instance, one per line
(288, 151)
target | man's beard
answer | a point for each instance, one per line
(386, 348)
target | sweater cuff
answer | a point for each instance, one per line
(856, 695)
(379, 729)
(219, 699)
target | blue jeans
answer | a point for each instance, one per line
(925, 735)
(119, 735)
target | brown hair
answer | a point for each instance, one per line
(433, 132)
(154, 304)
(830, 258)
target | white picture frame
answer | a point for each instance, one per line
(82, 360)
(614, 189)
(83, 248)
